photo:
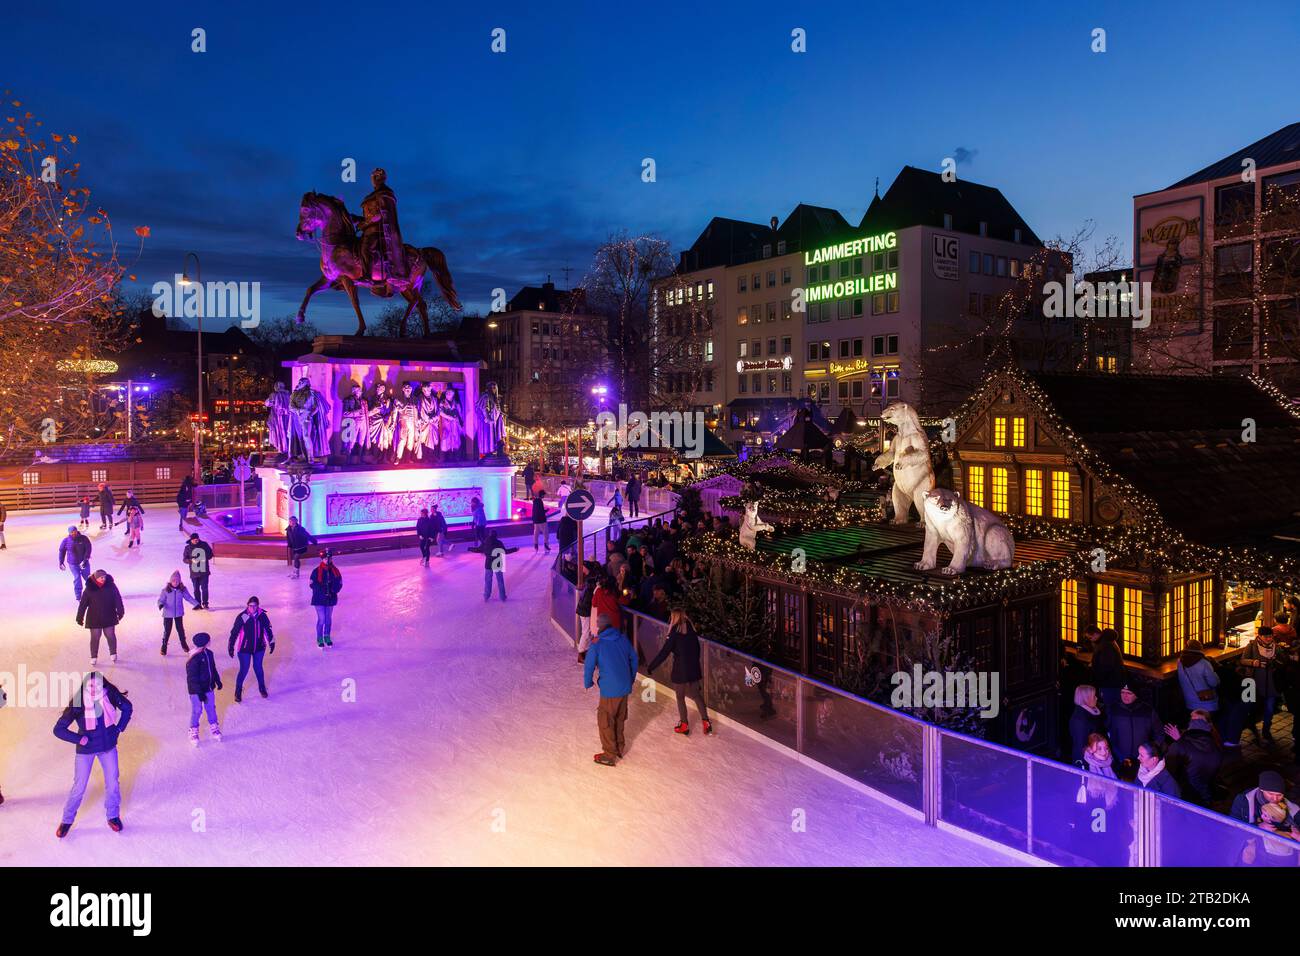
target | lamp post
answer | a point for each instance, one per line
(198, 424)
(600, 393)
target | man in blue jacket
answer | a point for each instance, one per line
(74, 554)
(615, 658)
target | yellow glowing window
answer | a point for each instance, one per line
(1000, 432)
(1018, 432)
(1132, 634)
(1060, 494)
(975, 485)
(1173, 619)
(1034, 492)
(1206, 635)
(1000, 490)
(1105, 606)
(1070, 611)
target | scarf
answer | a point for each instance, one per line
(1146, 776)
(103, 707)
(1100, 767)
(1095, 711)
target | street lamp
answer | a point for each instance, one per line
(600, 393)
(186, 281)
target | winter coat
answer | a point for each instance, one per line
(325, 587)
(1163, 782)
(1082, 724)
(84, 509)
(1107, 666)
(491, 547)
(4, 516)
(539, 511)
(188, 556)
(172, 600)
(615, 657)
(438, 522)
(106, 501)
(529, 476)
(1130, 727)
(1194, 677)
(567, 532)
(253, 632)
(101, 605)
(201, 673)
(80, 548)
(298, 537)
(684, 645)
(424, 527)
(480, 517)
(584, 599)
(1264, 670)
(1246, 806)
(184, 495)
(609, 602)
(129, 502)
(634, 490)
(103, 738)
(1195, 757)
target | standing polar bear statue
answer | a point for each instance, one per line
(973, 535)
(751, 525)
(909, 455)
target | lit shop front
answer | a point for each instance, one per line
(853, 382)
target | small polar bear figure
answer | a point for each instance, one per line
(973, 535)
(909, 456)
(751, 525)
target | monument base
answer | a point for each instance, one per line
(384, 499)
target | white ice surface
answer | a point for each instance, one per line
(470, 741)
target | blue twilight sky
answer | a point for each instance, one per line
(517, 164)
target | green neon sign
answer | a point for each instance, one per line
(852, 288)
(853, 247)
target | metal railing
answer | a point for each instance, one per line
(1030, 804)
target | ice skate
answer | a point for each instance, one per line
(603, 760)
(320, 642)
(163, 650)
(329, 642)
(114, 658)
(115, 824)
(683, 728)
(194, 736)
(215, 732)
(63, 829)
(708, 728)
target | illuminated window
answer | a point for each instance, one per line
(1207, 612)
(1034, 492)
(1000, 490)
(1060, 494)
(1132, 633)
(1000, 432)
(31, 477)
(1105, 606)
(99, 474)
(1018, 432)
(1193, 618)
(1173, 619)
(975, 485)
(1070, 611)
(162, 473)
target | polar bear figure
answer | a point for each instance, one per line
(751, 525)
(909, 455)
(973, 535)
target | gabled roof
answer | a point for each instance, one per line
(808, 227)
(1275, 149)
(546, 298)
(918, 197)
(725, 242)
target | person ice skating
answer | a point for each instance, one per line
(74, 554)
(540, 526)
(615, 501)
(530, 475)
(201, 678)
(478, 521)
(124, 510)
(439, 525)
(424, 532)
(100, 713)
(171, 601)
(184, 498)
(615, 520)
(84, 508)
(494, 562)
(100, 611)
(251, 636)
(684, 645)
(633, 496)
(197, 556)
(297, 538)
(106, 504)
(4, 514)
(614, 658)
(134, 527)
(326, 582)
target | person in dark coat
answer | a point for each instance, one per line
(326, 582)
(633, 496)
(494, 562)
(1086, 720)
(439, 524)
(129, 502)
(1108, 674)
(566, 536)
(100, 610)
(201, 678)
(1152, 773)
(297, 538)
(106, 503)
(478, 521)
(1195, 756)
(100, 713)
(424, 531)
(197, 555)
(1262, 663)
(184, 498)
(252, 637)
(1129, 724)
(687, 677)
(529, 477)
(74, 554)
(540, 527)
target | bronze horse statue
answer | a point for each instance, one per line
(340, 262)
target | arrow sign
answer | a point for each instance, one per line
(579, 505)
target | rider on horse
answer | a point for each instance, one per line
(382, 255)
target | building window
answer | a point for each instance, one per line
(785, 274)
(988, 263)
(973, 303)
(1060, 494)
(99, 474)
(1173, 621)
(1015, 268)
(740, 284)
(744, 349)
(31, 477)
(1018, 432)
(1034, 492)
(999, 490)
(1233, 270)
(771, 346)
(1070, 611)
(786, 311)
(812, 351)
(1002, 266)
(843, 391)
(1105, 606)
(1132, 630)
(857, 348)
(780, 248)
(163, 474)
(947, 220)
(710, 286)
(999, 432)
(975, 484)
(974, 267)
(845, 345)
(708, 350)
(757, 383)
(891, 302)
(785, 345)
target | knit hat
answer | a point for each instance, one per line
(201, 639)
(1272, 781)
(72, 527)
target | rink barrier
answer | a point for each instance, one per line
(1032, 806)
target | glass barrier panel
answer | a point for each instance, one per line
(874, 746)
(752, 693)
(1189, 837)
(650, 636)
(1081, 819)
(564, 600)
(985, 790)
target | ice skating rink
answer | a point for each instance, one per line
(469, 740)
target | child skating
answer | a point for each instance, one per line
(202, 681)
(171, 601)
(85, 512)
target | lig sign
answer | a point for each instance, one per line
(857, 285)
